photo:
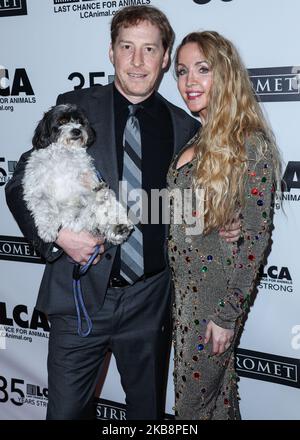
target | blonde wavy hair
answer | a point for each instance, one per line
(233, 114)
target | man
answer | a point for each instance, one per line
(130, 316)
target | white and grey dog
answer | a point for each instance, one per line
(61, 186)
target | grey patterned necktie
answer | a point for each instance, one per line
(132, 259)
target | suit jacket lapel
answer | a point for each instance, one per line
(101, 116)
(180, 128)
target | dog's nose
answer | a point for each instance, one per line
(76, 132)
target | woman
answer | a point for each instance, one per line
(234, 160)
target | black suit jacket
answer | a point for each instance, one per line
(55, 294)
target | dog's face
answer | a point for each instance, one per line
(64, 124)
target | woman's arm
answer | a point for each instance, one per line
(256, 221)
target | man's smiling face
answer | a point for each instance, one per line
(138, 57)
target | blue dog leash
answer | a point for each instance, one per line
(78, 271)
(78, 296)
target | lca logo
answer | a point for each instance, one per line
(22, 319)
(290, 185)
(291, 177)
(275, 278)
(15, 83)
(15, 88)
(12, 7)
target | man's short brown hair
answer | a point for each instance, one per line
(133, 15)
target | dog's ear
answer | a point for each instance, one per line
(91, 136)
(41, 137)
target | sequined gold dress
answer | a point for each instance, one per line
(213, 281)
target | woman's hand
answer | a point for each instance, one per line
(221, 338)
(232, 232)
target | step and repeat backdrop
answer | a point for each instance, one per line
(51, 46)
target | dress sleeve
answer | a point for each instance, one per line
(247, 256)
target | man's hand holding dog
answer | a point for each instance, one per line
(79, 245)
